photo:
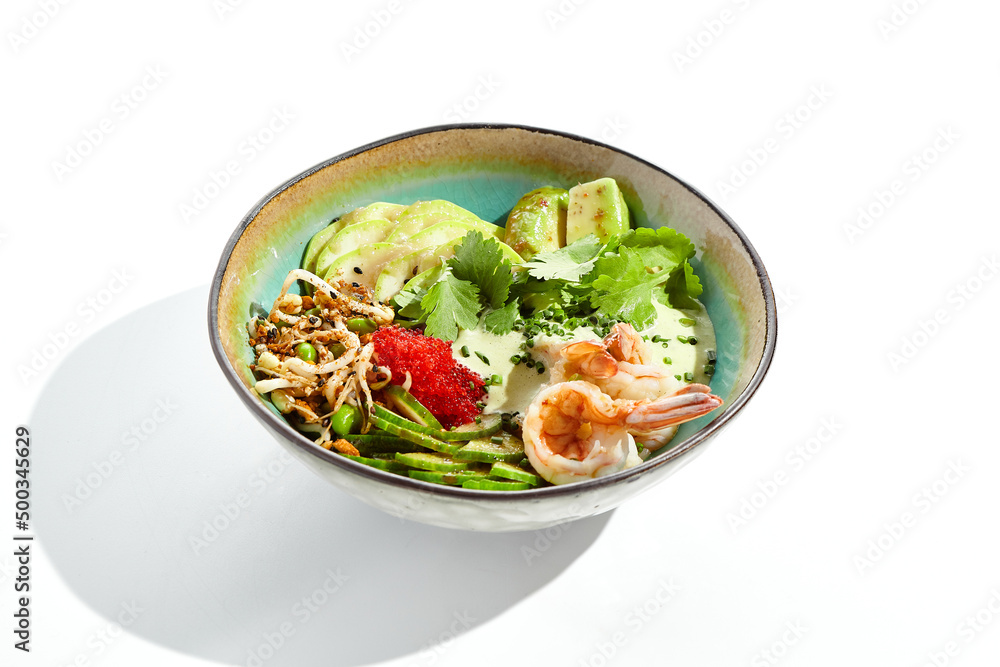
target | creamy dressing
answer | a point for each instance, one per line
(520, 383)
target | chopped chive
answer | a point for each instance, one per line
(687, 321)
(496, 380)
(479, 420)
(483, 357)
(682, 339)
(657, 338)
(710, 355)
(496, 439)
(472, 385)
(530, 342)
(668, 360)
(530, 363)
(541, 369)
(692, 340)
(689, 377)
(678, 377)
(709, 369)
(487, 382)
(465, 350)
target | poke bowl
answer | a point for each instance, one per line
(487, 169)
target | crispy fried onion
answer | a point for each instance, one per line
(343, 370)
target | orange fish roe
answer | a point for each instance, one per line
(445, 387)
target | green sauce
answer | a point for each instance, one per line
(520, 383)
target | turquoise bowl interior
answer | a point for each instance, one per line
(486, 168)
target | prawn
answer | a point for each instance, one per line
(573, 430)
(620, 366)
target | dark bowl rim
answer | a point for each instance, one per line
(282, 427)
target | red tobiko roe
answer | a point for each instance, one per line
(445, 387)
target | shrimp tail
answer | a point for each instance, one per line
(689, 403)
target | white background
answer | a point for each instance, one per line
(810, 112)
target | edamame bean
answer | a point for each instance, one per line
(361, 325)
(306, 352)
(345, 420)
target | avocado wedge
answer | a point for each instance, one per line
(598, 208)
(537, 223)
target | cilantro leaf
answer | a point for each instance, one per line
(451, 303)
(501, 321)
(624, 288)
(682, 288)
(662, 248)
(408, 303)
(570, 262)
(480, 261)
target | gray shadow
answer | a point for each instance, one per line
(167, 508)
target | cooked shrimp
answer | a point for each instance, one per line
(625, 344)
(619, 365)
(575, 431)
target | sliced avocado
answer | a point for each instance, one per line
(350, 238)
(426, 278)
(428, 268)
(446, 251)
(379, 209)
(424, 243)
(440, 254)
(396, 273)
(422, 214)
(537, 223)
(314, 246)
(364, 264)
(598, 208)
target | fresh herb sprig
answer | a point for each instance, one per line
(588, 280)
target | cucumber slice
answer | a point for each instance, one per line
(456, 478)
(489, 424)
(512, 472)
(511, 450)
(428, 461)
(413, 436)
(494, 485)
(411, 408)
(447, 478)
(382, 464)
(374, 443)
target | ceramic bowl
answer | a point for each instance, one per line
(486, 168)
